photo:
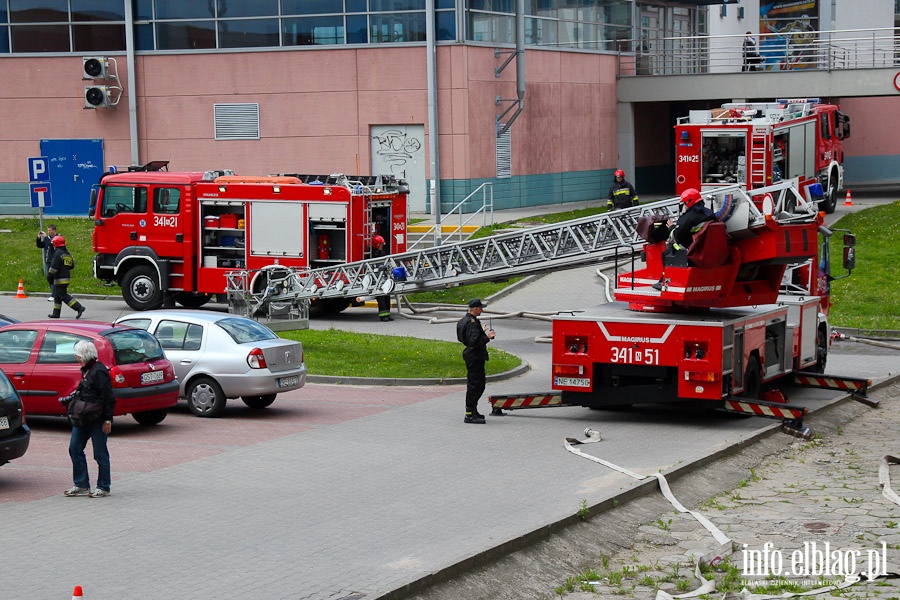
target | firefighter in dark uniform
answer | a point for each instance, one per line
(622, 193)
(384, 301)
(472, 333)
(59, 275)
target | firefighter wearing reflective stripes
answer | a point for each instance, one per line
(622, 193)
(690, 221)
(59, 275)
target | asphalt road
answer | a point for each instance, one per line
(341, 491)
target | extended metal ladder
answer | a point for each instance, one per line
(590, 240)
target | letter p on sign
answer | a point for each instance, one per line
(37, 169)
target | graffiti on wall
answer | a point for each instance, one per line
(396, 148)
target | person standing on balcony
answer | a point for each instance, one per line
(751, 53)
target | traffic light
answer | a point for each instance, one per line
(95, 67)
(97, 96)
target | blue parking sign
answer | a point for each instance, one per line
(40, 194)
(38, 168)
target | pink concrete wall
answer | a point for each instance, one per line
(316, 107)
(874, 126)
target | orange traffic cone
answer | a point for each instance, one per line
(20, 293)
(849, 200)
(77, 594)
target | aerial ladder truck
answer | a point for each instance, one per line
(715, 333)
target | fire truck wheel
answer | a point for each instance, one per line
(189, 300)
(821, 351)
(752, 379)
(150, 417)
(258, 401)
(831, 194)
(140, 289)
(205, 397)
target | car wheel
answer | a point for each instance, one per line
(150, 417)
(205, 397)
(821, 351)
(259, 401)
(140, 289)
(752, 379)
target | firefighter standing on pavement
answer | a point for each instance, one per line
(384, 301)
(622, 193)
(473, 334)
(59, 275)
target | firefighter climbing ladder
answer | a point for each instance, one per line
(591, 240)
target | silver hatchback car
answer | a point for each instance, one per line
(219, 356)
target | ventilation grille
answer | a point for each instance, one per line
(238, 121)
(504, 156)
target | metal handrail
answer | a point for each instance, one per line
(486, 208)
(813, 50)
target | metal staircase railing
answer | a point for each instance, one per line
(486, 209)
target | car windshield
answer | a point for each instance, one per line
(245, 330)
(133, 346)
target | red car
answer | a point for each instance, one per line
(39, 359)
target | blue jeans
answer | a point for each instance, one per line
(77, 444)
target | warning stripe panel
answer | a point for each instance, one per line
(848, 384)
(783, 411)
(526, 401)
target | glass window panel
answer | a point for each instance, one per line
(4, 40)
(450, 4)
(357, 30)
(143, 10)
(248, 8)
(313, 31)
(179, 9)
(356, 6)
(186, 35)
(445, 23)
(98, 38)
(398, 27)
(493, 5)
(497, 29)
(38, 11)
(143, 37)
(395, 5)
(250, 33)
(313, 7)
(4, 14)
(98, 10)
(40, 38)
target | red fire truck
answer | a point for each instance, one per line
(753, 312)
(169, 237)
(759, 144)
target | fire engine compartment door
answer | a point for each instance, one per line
(276, 228)
(723, 159)
(799, 142)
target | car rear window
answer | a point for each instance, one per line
(245, 330)
(7, 391)
(134, 345)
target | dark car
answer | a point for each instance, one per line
(39, 359)
(14, 433)
(6, 320)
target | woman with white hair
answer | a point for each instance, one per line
(94, 423)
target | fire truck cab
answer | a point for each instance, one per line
(760, 144)
(169, 237)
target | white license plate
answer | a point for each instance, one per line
(4, 422)
(288, 381)
(152, 377)
(572, 382)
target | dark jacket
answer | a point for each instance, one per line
(470, 332)
(60, 272)
(688, 224)
(96, 386)
(46, 246)
(621, 195)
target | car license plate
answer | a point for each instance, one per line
(284, 382)
(4, 422)
(573, 382)
(152, 377)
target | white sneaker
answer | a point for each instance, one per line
(50, 299)
(77, 491)
(98, 493)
